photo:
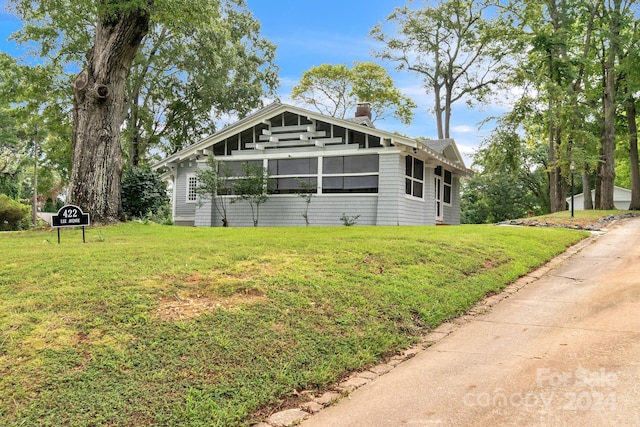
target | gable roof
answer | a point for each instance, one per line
(446, 147)
(362, 120)
(360, 124)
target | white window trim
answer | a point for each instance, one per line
(444, 184)
(187, 193)
(413, 180)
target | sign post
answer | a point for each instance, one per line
(70, 216)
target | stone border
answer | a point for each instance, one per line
(294, 416)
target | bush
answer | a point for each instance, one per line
(13, 215)
(143, 193)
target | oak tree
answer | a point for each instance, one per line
(159, 69)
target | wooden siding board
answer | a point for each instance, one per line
(287, 211)
(390, 189)
(451, 214)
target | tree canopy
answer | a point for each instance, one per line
(336, 89)
(455, 48)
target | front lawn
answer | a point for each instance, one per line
(171, 326)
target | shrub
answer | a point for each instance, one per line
(13, 214)
(143, 193)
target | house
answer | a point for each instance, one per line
(381, 177)
(621, 199)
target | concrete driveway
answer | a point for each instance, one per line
(563, 351)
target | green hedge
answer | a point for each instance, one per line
(12, 213)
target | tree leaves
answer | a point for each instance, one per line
(337, 89)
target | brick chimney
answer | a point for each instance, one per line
(363, 110)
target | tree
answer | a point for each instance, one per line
(630, 78)
(166, 97)
(99, 105)
(510, 180)
(143, 192)
(458, 52)
(609, 101)
(495, 197)
(29, 126)
(253, 186)
(337, 89)
(12, 149)
(567, 77)
(213, 184)
(308, 188)
(192, 69)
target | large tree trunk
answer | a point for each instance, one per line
(99, 102)
(609, 103)
(586, 189)
(633, 151)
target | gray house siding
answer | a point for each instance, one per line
(286, 210)
(451, 214)
(390, 188)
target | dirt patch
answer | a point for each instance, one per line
(178, 308)
(586, 223)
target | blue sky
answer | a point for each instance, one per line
(315, 32)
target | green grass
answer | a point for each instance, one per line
(92, 334)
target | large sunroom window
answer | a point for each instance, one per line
(294, 175)
(350, 174)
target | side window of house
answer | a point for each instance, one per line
(192, 184)
(446, 190)
(414, 179)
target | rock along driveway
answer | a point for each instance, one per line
(563, 351)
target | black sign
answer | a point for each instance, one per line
(70, 216)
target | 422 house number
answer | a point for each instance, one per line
(71, 213)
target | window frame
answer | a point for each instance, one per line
(412, 179)
(191, 191)
(322, 175)
(447, 186)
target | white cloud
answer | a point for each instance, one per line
(463, 129)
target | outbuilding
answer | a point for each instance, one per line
(621, 199)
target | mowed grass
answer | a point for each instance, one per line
(170, 326)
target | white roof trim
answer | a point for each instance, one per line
(278, 108)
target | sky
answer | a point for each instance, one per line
(313, 32)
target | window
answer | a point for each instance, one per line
(350, 174)
(286, 174)
(232, 144)
(446, 189)
(414, 179)
(220, 148)
(357, 138)
(290, 119)
(374, 141)
(192, 185)
(246, 137)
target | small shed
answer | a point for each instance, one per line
(621, 199)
